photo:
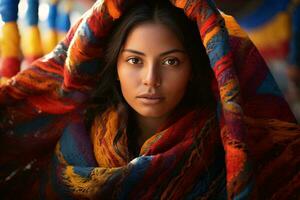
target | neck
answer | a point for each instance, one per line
(148, 126)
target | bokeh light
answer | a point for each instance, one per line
(43, 11)
(23, 6)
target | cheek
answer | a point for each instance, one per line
(176, 83)
(129, 80)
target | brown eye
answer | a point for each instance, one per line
(171, 61)
(134, 61)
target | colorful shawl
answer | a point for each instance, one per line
(237, 151)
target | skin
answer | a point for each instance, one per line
(153, 64)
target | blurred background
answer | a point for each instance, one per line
(30, 29)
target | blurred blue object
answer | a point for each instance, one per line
(294, 57)
(52, 16)
(266, 10)
(32, 13)
(9, 10)
(63, 21)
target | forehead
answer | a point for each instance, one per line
(152, 37)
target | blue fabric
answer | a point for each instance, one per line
(9, 10)
(32, 13)
(265, 12)
(34, 126)
(52, 16)
(76, 147)
(294, 56)
(63, 22)
(218, 47)
(84, 172)
(137, 170)
(268, 88)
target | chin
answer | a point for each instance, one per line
(151, 112)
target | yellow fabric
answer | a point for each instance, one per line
(233, 28)
(68, 5)
(0, 43)
(3, 81)
(54, 1)
(210, 35)
(278, 29)
(61, 36)
(31, 42)
(10, 46)
(88, 187)
(50, 41)
(99, 137)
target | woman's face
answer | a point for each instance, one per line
(153, 69)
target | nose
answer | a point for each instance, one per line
(152, 77)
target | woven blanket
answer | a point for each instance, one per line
(234, 152)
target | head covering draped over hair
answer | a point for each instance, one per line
(44, 103)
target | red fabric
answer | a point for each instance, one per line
(9, 66)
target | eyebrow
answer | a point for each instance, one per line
(162, 54)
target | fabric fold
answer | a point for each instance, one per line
(215, 156)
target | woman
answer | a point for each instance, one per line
(149, 131)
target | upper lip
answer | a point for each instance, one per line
(150, 96)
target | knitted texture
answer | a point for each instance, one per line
(205, 154)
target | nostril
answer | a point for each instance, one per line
(152, 82)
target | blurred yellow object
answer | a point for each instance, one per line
(31, 42)
(68, 5)
(0, 44)
(233, 27)
(3, 81)
(50, 41)
(10, 45)
(54, 1)
(275, 32)
(61, 35)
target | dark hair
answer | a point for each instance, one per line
(108, 94)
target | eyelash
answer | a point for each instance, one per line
(133, 58)
(172, 59)
(139, 60)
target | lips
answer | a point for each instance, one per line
(150, 98)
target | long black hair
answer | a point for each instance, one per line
(109, 94)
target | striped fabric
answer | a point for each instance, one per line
(233, 152)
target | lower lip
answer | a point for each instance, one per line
(149, 101)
